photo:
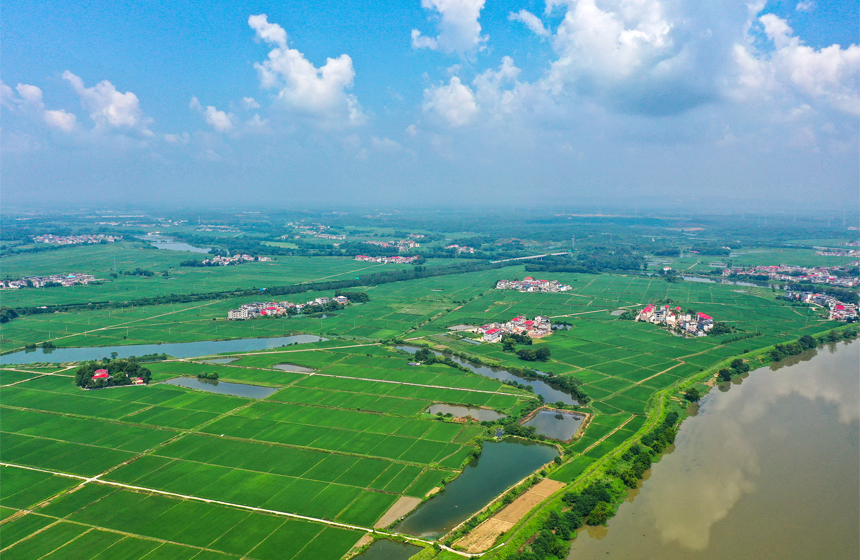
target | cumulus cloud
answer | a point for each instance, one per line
(108, 107)
(57, 118)
(219, 120)
(249, 103)
(531, 21)
(831, 74)
(459, 30)
(28, 101)
(302, 87)
(454, 103)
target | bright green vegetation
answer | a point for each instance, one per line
(342, 443)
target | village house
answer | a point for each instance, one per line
(697, 325)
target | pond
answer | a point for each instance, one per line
(170, 244)
(549, 393)
(556, 424)
(177, 349)
(479, 414)
(293, 368)
(384, 549)
(216, 361)
(500, 465)
(222, 387)
(769, 467)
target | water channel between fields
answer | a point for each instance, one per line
(177, 349)
(500, 465)
(768, 468)
(222, 387)
(549, 393)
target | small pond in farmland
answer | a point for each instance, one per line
(479, 414)
(176, 349)
(292, 368)
(222, 387)
(500, 465)
(384, 549)
(548, 392)
(555, 424)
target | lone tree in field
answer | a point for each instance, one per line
(692, 394)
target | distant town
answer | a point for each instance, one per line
(64, 280)
(276, 309)
(461, 248)
(401, 245)
(76, 239)
(387, 260)
(833, 275)
(529, 284)
(235, 259)
(696, 325)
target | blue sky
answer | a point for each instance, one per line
(431, 102)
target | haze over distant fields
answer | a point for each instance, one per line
(729, 104)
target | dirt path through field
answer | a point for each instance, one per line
(485, 534)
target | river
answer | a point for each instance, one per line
(769, 468)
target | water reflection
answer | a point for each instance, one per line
(769, 469)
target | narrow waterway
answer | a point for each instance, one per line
(548, 392)
(176, 349)
(769, 468)
(500, 465)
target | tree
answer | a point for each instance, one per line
(692, 394)
(601, 512)
(508, 344)
(542, 353)
(526, 354)
(807, 342)
(725, 374)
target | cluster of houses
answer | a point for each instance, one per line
(387, 260)
(839, 311)
(76, 239)
(461, 248)
(537, 328)
(697, 325)
(787, 273)
(401, 245)
(275, 309)
(64, 280)
(330, 236)
(103, 374)
(838, 252)
(235, 259)
(529, 284)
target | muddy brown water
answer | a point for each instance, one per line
(768, 468)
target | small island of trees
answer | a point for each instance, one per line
(111, 373)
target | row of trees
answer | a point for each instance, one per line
(737, 367)
(596, 503)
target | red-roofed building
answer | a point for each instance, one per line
(101, 374)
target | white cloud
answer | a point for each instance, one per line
(109, 108)
(829, 76)
(319, 92)
(459, 30)
(531, 21)
(454, 103)
(60, 119)
(805, 6)
(178, 139)
(385, 144)
(29, 102)
(219, 120)
(249, 103)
